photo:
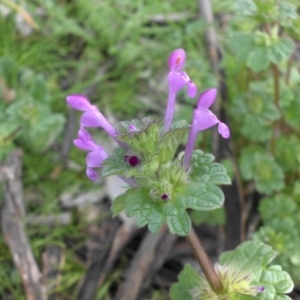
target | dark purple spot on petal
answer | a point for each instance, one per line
(132, 160)
(164, 197)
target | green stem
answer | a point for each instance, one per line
(276, 86)
(204, 262)
(289, 68)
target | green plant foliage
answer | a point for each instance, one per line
(280, 215)
(259, 50)
(29, 113)
(287, 153)
(263, 169)
(256, 111)
(159, 178)
(253, 258)
(242, 270)
(188, 279)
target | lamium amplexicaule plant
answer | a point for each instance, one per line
(164, 183)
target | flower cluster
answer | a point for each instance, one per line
(177, 79)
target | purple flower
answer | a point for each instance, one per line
(96, 155)
(177, 80)
(91, 117)
(203, 119)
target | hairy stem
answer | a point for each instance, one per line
(204, 261)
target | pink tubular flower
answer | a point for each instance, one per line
(91, 117)
(96, 155)
(177, 80)
(203, 119)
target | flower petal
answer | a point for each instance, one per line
(207, 98)
(176, 60)
(176, 81)
(192, 89)
(95, 158)
(91, 174)
(224, 130)
(83, 145)
(85, 141)
(90, 119)
(79, 102)
(83, 134)
(204, 119)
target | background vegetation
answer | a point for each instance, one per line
(116, 53)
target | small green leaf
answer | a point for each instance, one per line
(182, 124)
(281, 50)
(242, 271)
(287, 152)
(118, 205)
(180, 223)
(276, 282)
(202, 197)
(169, 143)
(147, 211)
(213, 173)
(261, 167)
(144, 141)
(151, 166)
(258, 60)
(187, 280)
(241, 44)
(115, 163)
(249, 257)
(278, 206)
(252, 258)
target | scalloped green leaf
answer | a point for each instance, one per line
(201, 197)
(147, 211)
(180, 223)
(249, 257)
(213, 173)
(144, 141)
(151, 166)
(114, 164)
(118, 205)
(281, 50)
(187, 280)
(252, 258)
(199, 158)
(278, 206)
(179, 124)
(287, 152)
(258, 60)
(276, 282)
(263, 169)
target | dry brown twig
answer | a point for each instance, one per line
(13, 212)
